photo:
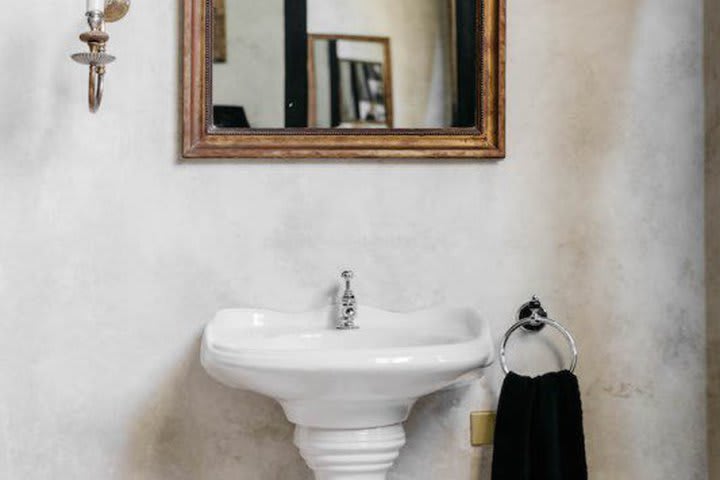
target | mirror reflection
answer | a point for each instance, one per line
(350, 82)
(344, 64)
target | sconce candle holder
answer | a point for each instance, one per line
(99, 13)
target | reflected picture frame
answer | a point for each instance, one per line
(203, 140)
(383, 42)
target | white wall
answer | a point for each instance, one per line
(254, 75)
(419, 41)
(114, 253)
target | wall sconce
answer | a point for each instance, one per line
(98, 13)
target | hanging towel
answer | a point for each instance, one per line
(539, 431)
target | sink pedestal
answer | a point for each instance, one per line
(358, 454)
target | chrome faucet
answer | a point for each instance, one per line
(348, 307)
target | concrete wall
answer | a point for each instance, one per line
(114, 253)
(712, 196)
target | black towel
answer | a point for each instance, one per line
(539, 431)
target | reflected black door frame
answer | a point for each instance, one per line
(467, 63)
(296, 58)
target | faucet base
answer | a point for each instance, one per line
(347, 327)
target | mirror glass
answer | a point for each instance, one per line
(344, 64)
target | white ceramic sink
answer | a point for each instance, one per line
(348, 391)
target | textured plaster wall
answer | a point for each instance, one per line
(113, 253)
(712, 196)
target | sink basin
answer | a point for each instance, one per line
(347, 391)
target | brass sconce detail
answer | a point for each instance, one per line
(99, 12)
(116, 9)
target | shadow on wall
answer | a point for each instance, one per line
(595, 64)
(194, 428)
(438, 432)
(585, 106)
(712, 222)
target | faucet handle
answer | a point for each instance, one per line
(347, 275)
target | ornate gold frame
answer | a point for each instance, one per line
(202, 140)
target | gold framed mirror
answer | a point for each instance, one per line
(344, 79)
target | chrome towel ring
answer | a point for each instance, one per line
(533, 318)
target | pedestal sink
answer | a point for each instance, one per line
(347, 391)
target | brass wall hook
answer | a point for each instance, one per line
(96, 39)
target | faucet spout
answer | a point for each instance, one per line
(348, 307)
